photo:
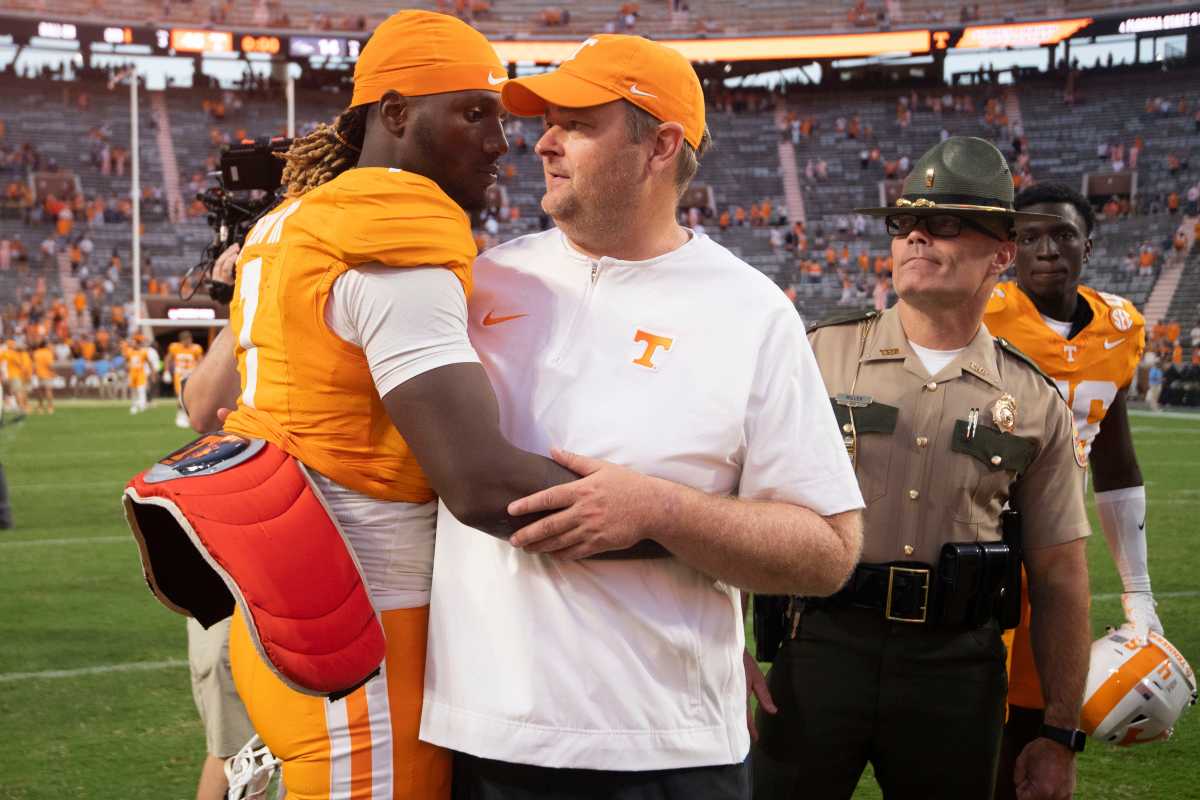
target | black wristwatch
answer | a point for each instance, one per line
(1073, 740)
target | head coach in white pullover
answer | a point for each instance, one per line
(678, 381)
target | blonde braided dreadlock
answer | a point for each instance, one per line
(327, 152)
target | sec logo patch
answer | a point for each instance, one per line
(1121, 319)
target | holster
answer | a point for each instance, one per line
(227, 519)
(971, 578)
(1009, 607)
(770, 624)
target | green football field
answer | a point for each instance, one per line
(94, 694)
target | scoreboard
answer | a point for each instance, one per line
(170, 40)
(23, 30)
(328, 46)
(200, 41)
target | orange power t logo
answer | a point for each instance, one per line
(652, 344)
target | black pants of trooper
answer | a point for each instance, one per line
(923, 706)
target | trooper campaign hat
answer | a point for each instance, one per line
(963, 175)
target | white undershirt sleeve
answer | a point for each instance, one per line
(407, 321)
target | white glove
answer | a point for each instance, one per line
(166, 376)
(1140, 617)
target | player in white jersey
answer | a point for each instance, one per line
(624, 337)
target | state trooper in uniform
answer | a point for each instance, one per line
(904, 667)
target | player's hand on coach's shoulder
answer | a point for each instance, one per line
(610, 508)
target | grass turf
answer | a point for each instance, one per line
(74, 602)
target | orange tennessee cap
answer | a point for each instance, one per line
(423, 52)
(609, 67)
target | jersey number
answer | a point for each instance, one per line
(1089, 403)
(251, 279)
(269, 230)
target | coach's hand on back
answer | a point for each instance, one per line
(609, 508)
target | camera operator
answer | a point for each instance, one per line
(200, 405)
(223, 272)
(226, 724)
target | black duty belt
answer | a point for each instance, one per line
(974, 584)
(902, 591)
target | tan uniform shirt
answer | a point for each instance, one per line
(926, 476)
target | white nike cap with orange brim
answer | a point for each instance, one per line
(609, 67)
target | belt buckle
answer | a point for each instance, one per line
(924, 573)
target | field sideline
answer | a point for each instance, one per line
(94, 693)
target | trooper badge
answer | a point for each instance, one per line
(1004, 413)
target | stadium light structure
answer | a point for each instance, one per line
(135, 191)
(290, 92)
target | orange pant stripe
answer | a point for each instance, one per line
(362, 747)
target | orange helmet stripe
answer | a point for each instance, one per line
(1106, 697)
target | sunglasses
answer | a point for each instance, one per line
(945, 226)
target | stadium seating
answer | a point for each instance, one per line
(522, 18)
(743, 169)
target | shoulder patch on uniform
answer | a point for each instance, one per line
(1113, 300)
(1015, 352)
(844, 318)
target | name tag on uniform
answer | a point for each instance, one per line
(853, 400)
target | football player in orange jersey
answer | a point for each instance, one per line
(1090, 343)
(12, 371)
(347, 348)
(137, 366)
(182, 358)
(20, 374)
(43, 377)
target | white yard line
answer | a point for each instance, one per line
(59, 485)
(1157, 595)
(1146, 413)
(136, 666)
(71, 541)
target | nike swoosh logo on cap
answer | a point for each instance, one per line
(494, 81)
(1110, 345)
(635, 90)
(490, 320)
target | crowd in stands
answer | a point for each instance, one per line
(844, 252)
(50, 245)
(1177, 378)
(74, 358)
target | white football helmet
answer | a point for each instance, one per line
(1135, 694)
(249, 772)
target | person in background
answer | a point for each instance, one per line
(904, 667)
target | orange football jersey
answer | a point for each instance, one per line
(43, 363)
(184, 358)
(304, 388)
(1089, 368)
(136, 359)
(16, 364)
